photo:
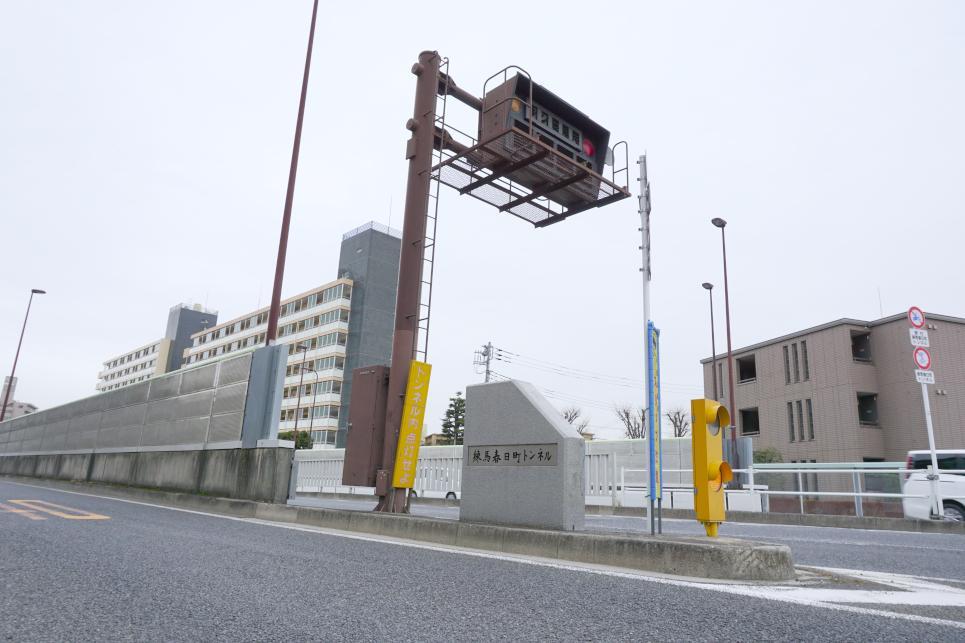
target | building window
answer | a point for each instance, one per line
(790, 420)
(804, 361)
(746, 369)
(800, 420)
(810, 419)
(787, 366)
(861, 346)
(868, 409)
(750, 422)
(797, 369)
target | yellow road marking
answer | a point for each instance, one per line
(27, 513)
(59, 510)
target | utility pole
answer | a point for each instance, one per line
(644, 229)
(484, 358)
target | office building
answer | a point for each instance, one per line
(845, 391)
(329, 330)
(159, 356)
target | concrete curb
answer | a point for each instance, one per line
(723, 559)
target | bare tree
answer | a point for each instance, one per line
(680, 420)
(572, 415)
(632, 420)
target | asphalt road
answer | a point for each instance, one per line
(931, 555)
(80, 567)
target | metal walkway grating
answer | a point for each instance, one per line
(564, 187)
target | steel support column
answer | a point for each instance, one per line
(419, 155)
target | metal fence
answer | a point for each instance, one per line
(195, 408)
(612, 476)
(439, 469)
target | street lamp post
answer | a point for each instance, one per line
(13, 371)
(298, 400)
(311, 414)
(720, 223)
(275, 307)
(709, 287)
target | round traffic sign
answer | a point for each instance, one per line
(922, 358)
(915, 317)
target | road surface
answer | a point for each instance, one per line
(83, 567)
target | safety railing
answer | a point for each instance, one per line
(877, 488)
(808, 486)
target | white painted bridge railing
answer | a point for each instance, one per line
(439, 469)
(438, 472)
(613, 476)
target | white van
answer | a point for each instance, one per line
(951, 486)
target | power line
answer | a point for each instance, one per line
(521, 360)
(510, 357)
(559, 396)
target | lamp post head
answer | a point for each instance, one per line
(717, 221)
(38, 291)
(707, 286)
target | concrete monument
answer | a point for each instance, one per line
(522, 462)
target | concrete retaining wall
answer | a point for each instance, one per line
(250, 474)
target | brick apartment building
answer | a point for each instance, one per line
(845, 391)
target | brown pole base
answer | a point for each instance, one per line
(395, 502)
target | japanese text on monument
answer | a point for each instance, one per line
(513, 455)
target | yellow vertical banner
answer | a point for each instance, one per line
(413, 414)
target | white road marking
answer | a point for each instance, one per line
(900, 581)
(784, 594)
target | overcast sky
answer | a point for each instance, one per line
(144, 151)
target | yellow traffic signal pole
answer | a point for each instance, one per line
(711, 471)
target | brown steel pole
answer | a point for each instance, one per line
(720, 223)
(419, 155)
(273, 310)
(13, 371)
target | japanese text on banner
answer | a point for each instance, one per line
(413, 414)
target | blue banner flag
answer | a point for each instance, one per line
(653, 412)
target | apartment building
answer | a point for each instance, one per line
(329, 330)
(845, 391)
(159, 356)
(16, 409)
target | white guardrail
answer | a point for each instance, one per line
(611, 479)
